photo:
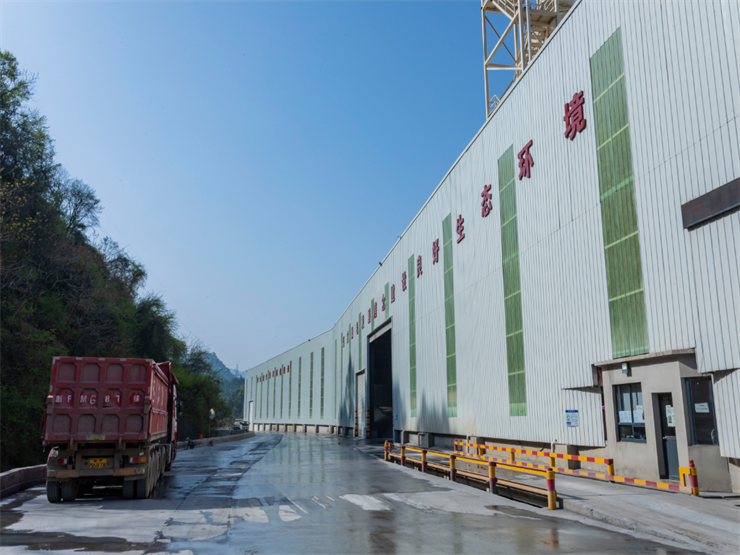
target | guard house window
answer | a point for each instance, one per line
(630, 414)
(701, 411)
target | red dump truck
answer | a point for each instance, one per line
(109, 421)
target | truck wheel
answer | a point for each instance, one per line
(129, 488)
(69, 491)
(53, 492)
(141, 488)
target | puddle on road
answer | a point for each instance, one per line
(186, 484)
(57, 541)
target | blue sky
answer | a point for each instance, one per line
(259, 158)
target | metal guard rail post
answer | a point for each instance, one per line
(690, 472)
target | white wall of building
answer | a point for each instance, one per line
(681, 68)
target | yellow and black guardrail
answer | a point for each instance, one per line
(689, 480)
(451, 469)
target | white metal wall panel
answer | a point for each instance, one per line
(726, 401)
(681, 68)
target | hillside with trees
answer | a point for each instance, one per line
(62, 292)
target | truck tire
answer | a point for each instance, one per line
(129, 489)
(141, 488)
(69, 491)
(53, 492)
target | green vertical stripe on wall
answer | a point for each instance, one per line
(512, 285)
(387, 300)
(299, 386)
(322, 384)
(412, 334)
(335, 376)
(274, 395)
(290, 388)
(310, 391)
(341, 373)
(282, 385)
(618, 204)
(449, 317)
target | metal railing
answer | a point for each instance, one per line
(686, 474)
(451, 469)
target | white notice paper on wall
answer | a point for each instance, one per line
(669, 416)
(701, 407)
(625, 416)
(571, 418)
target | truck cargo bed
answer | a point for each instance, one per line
(105, 400)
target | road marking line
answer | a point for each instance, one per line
(287, 514)
(297, 505)
(366, 502)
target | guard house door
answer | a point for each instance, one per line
(361, 403)
(668, 434)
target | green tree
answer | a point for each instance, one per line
(62, 294)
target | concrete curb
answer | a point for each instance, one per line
(19, 479)
(214, 440)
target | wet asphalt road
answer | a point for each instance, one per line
(298, 494)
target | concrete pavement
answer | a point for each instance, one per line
(707, 524)
(301, 494)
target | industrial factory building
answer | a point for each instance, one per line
(573, 283)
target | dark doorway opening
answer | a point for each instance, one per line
(668, 432)
(380, 376)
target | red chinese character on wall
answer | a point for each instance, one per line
(486, 204)
(574, 120)
(435, 252)
(375, 310)
(393, 293)
(418, 266)
(403, 281)
(460, 228)
(382, 305)
(525, 161)
(368, 314)
(363, 319)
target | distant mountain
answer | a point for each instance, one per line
(221, 368)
